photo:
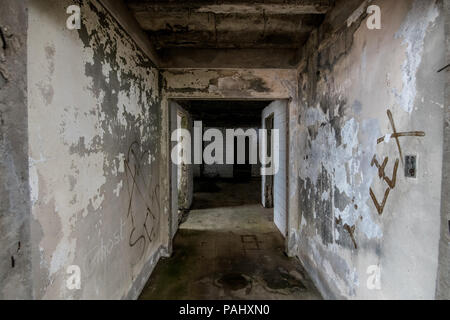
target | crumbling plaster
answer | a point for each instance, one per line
(347, 83)
(98, 128)
(94, 155)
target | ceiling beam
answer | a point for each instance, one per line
(226, 31)
(228, 58)
(267, 9)
(185, 21)
(293, 7)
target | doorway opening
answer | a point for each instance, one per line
(268, 185)
(236, 158)
(230, 242)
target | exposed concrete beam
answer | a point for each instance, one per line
(121, 13)
(226, 31)
(242, 7)
(267, 9)
(228, 58)
(229, 24)
(186, 22)
(231, 84)
(252, 41)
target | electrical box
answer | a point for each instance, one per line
(411, 166)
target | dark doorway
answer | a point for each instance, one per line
(242, 171)
(229, 245)
(269, 122)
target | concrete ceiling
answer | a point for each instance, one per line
(226, 114)
(200, 31)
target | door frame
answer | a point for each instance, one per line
(220, 84)
(272, 115)
(173, 178)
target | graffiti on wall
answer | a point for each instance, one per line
(144, 203)
(390, 180)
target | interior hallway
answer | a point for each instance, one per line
(90, 97)
(229, 248)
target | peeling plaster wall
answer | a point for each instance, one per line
(15, 262)
(94, 153)
(347, 83)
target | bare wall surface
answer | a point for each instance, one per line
(359, 214)
(97, 163)
(443, 280)
(15, 261)
(94, 127)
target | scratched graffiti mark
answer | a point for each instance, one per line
(142, 233)
(351, 232)
(396, 135)
(392, 181)
(380, 206)
(349, 229)
(380, 167)
(382, 173)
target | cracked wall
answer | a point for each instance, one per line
(367, 99)
(94, 154)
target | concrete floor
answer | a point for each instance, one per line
(229, 248)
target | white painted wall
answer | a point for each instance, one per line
(342, 239)
(94, 155)
(279, 110)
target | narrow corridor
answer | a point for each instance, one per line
(229, 248)
(233, 149)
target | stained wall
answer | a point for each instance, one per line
(94, 155)
(15, 261)
(360, 217)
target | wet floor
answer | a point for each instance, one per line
(229, 248)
